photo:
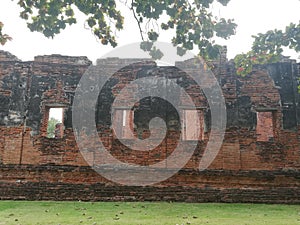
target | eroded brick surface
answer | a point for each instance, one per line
(259, 160)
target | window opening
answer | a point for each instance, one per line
(55, 126)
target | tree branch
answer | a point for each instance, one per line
(137, 20)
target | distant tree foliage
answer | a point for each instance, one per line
(267, 48)
(51, 127)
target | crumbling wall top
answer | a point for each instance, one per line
(112, 61)
(7, 56)
(60, 59)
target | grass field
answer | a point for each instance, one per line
(125, 213)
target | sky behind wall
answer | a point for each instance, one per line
(252, 17)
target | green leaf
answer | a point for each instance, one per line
(146, 45)
(152, 35)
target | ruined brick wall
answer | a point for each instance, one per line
(260, 151)
(28, 90)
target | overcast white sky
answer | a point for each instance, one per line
(252, 17)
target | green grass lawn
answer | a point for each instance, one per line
(24, 212)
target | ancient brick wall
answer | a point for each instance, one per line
(82, 183)
(260, 151)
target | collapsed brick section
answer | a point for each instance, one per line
(260, 151)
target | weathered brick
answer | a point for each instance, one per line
(259, 160)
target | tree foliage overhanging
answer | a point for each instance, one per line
(3, 37)
(193, 23)
(267, 48)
